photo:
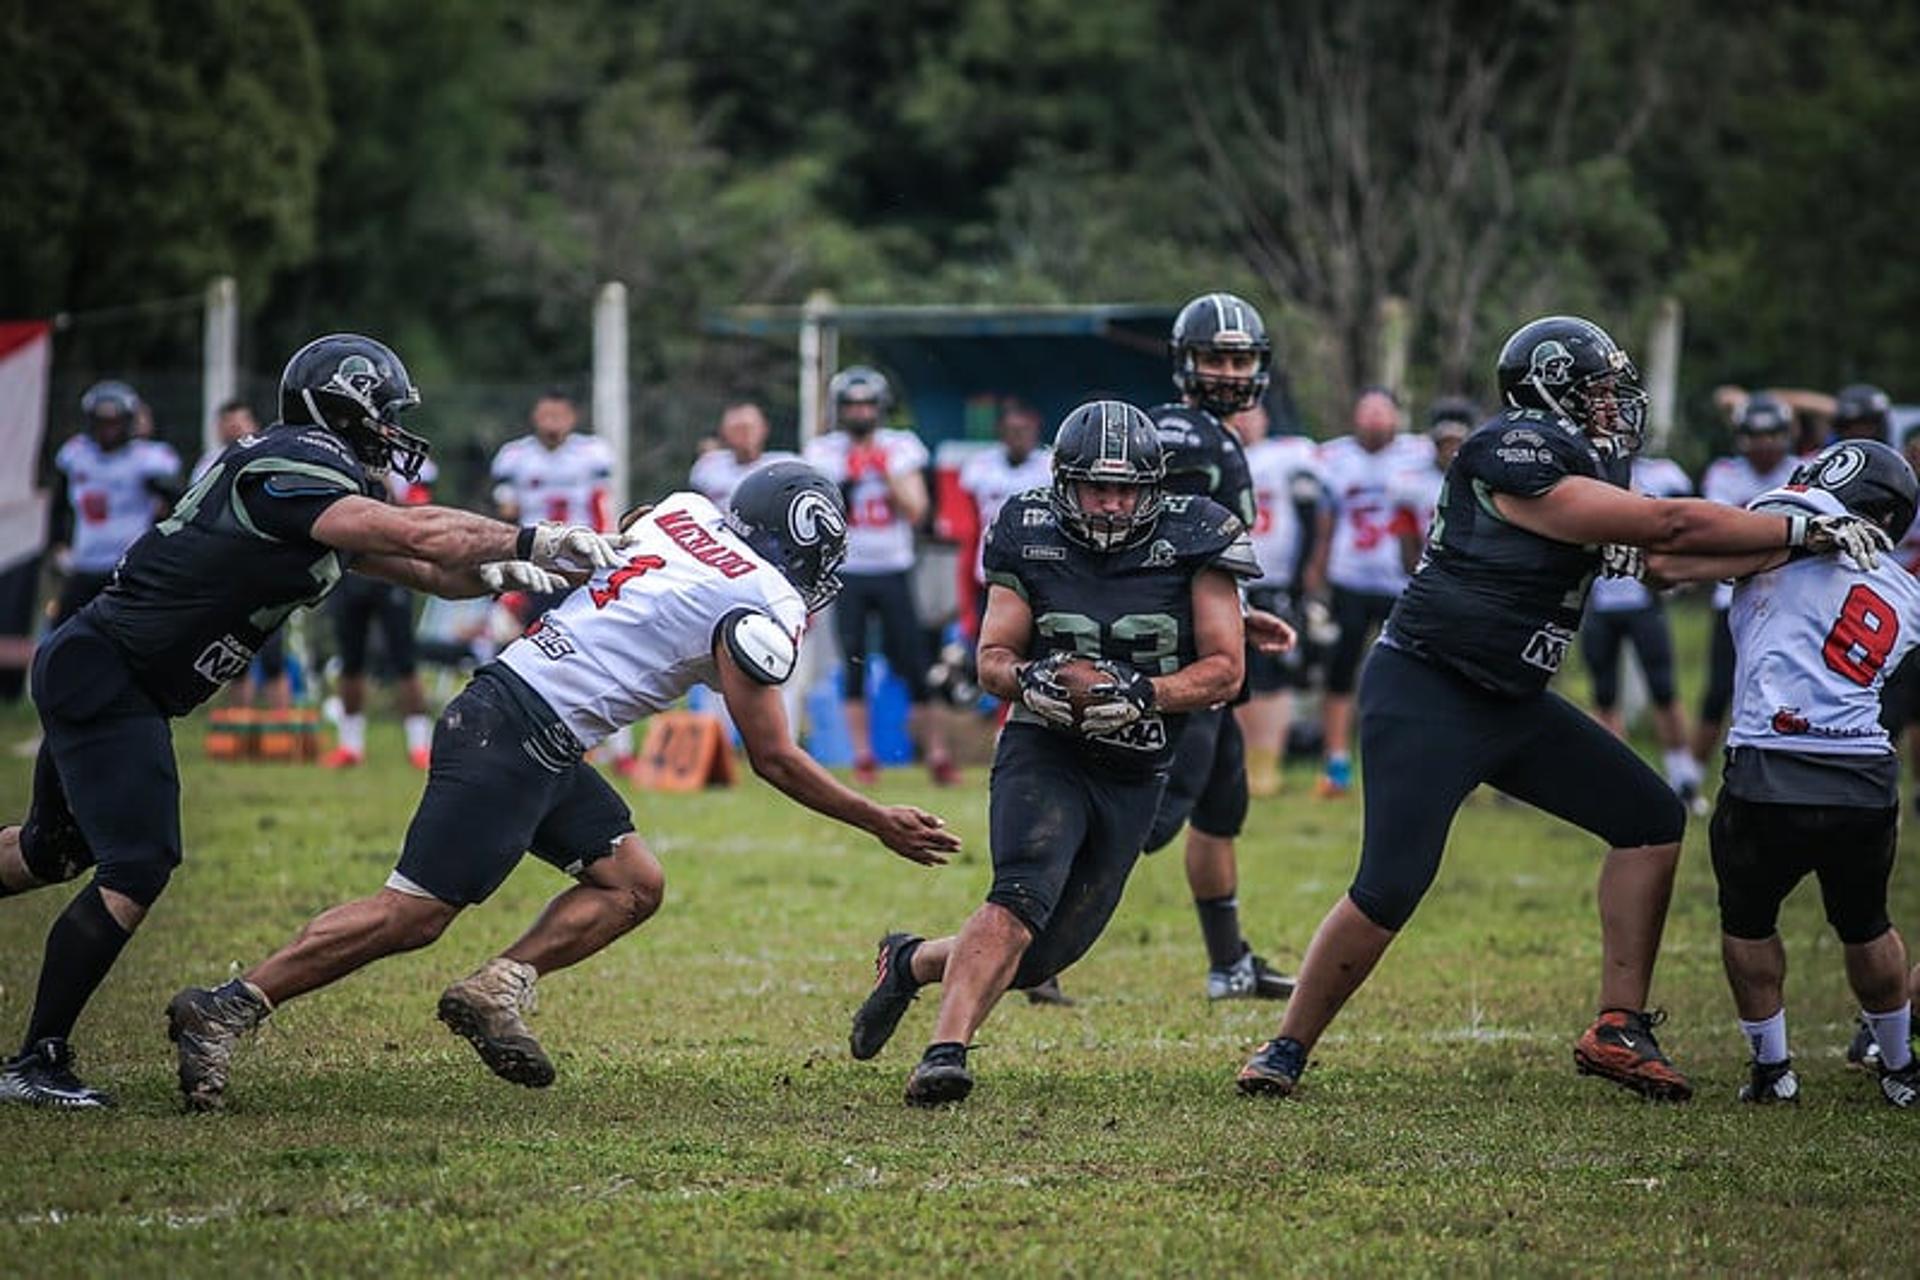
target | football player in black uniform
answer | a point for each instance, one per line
(1222, 364)
(1455, 692)
(1102, 565)
(269, 527)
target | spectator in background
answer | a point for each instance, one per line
(267, 682)
(1019, 462)
(114, 488)
(1288, 495)
(1762, 437)
(554, 474)
(880, 471)
(1623, 611)
(359, 604)
(743, 446)
(1862, 412)
(1357, 555)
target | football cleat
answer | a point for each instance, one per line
(204, 1027)
(1620, 1047)
(43, 1077)
(1275, 1069)
(940, 1077)
(1770, 1082)
(1901, 1088)
(420, 758)
(485, 1007)
(1049, 992)
(943, 771)
(1694, 798)
(1863, 1050)
(341, 758)
(1337, 781)
(893, 990)
(1249, 979)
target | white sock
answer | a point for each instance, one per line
(1892, 1031)
(1767, 1037)
(419, 733)
(353, 732)
(1682, 768)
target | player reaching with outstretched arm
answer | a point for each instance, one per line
(271, 526)
(1102, 566)
(1812, 785)
(701, 598)
(1455, 692)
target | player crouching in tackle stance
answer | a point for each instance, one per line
(1101, 566)
(1812, 784)
(701, 598)
(270, 526)
(1455, 692)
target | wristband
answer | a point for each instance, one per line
(523, 544)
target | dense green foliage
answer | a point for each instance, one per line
(707, 1119)
(460, 177)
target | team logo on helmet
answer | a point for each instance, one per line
(357, 378)
(812, 514)
(1551, 363)
(1840, 466)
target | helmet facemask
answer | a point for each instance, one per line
(1106, 531)
(1609, 403)
(1224, 395)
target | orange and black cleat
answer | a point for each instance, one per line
(1620, 1047)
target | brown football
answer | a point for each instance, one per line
(1078, 676)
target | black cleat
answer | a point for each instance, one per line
(1770, 1082)
(1863, 1050)
(893, 990)
(1248, 978)
(204, 1027)
(1620, 1047)
(1275, 1068)
(484, 1008)
(1901, 1088)
(43, 1077)
(940, 1077)
(1049, 992)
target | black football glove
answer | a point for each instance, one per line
(1041, 693)
(1123, 698)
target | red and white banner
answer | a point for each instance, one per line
(26, 355)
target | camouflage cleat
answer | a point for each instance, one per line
(1620, 1047)
(204, 1026)
(485, 1008)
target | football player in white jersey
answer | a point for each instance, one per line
(1288, 495)
(1357, 555)
(1416, 491)
(703, 598)
(1018, 463)
(743, 435)
(1812, 783)
(1762, 436)
(1622, 611)
(879, 470)
(116, 487)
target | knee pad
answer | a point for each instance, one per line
(54, 852)
(1387, 907)
(142, 879)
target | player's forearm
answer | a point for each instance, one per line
(418, 575)
(909, 493)
(1667, 570)
(796, 775)
(1694, 526)
(997, 665)
(1204, 683)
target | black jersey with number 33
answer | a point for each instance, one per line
(1134, 605)
(1491, 601)
(201, 590)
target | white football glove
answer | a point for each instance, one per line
(572, 546)
(503, 576)
(1126, 696)
(1620, 561)
(1859, 540)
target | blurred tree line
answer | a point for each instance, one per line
(459, 177)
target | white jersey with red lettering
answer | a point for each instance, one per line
(990, 479)
(1286, 475)
(1814, 640)
(1416, 496)
(635, 639)
(112, 495)
(879, 539)
(571, 483)
(1365, 555)
(1657, 478)
(717, 473)
(1733, 482)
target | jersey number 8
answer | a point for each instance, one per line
(1862, 637)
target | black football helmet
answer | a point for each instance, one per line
(356, 388)
(1871, 480)
(1861, 412)
(1762, 414)
(1220, 322)
(788, 513)
(1107, 442)
(108, 410)
(1453, 411)
(1571, 367)
(860, 384)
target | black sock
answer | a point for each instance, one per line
(81, 947)
(1220, 926)
(947, 1049)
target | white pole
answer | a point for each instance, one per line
(612, 402)
(219, 355)
(819, 353)
(1663, 374)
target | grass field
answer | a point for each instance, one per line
(707, 1118)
